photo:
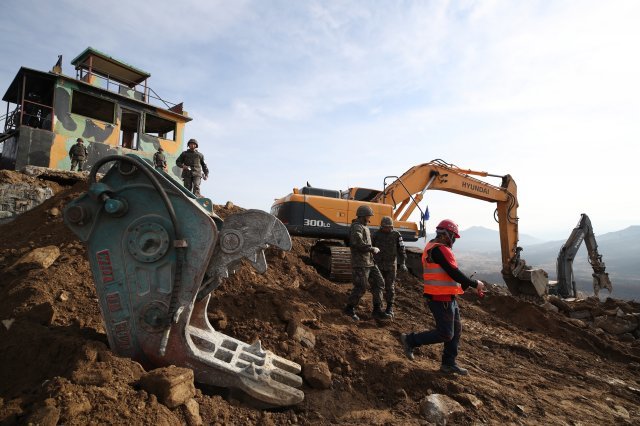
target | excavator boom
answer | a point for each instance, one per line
(407, 191)
(156, 253)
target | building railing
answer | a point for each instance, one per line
(129, 88)
(34, 115)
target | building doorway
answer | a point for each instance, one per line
(129, 127)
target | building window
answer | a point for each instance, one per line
(92, 107)
(160, 127)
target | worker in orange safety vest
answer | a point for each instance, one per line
(443, 281)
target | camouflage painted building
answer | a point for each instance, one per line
(108, 104)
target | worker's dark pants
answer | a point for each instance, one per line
(77, 162)
(389, 275)
(192, 183)
(361, 277)
(447, 331)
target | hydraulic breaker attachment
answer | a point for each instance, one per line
(156, 253)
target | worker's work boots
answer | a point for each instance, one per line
(408, 349)
(350, 311)
(379, 314)
(389, 310)
(453, 369)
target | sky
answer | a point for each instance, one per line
(343, 93)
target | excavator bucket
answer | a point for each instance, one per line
(523, 280)
(156, 254)
(529, 282)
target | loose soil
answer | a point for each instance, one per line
(527, 365)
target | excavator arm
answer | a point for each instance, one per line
(583, 231)
(406, 191)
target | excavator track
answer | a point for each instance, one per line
(334, 258)
(340, 264)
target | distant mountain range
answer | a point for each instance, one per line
(479, 251)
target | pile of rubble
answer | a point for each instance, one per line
(529, 364)
(618, 318)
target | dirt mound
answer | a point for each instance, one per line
(528, 364)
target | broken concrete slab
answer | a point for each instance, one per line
(172, 385)
(40, 258)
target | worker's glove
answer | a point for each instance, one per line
(480, 289)
(375, 250)
(205, 177)
(403, 267)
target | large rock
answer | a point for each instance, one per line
(40, 258)
(581, 315)
(317, 374)
(97, 375)
(617, 325)
(20, 193)
(192, 413)
(301, 334)
(437, 408)
(43, 313)
(44, 416)
(469, 400)
(172, 385)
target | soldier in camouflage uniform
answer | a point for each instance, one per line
(78, 154)
(392, 255)
(159, 160)
(363, 269)
(193, 167)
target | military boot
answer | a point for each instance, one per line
(378, 314)
(389, 310)
(350, 311)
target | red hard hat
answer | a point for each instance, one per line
(449, 225)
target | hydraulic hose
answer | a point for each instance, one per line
(149, 175)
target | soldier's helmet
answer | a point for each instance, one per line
(364, 211)
(79, 140)
(192, 141)
(386, 221)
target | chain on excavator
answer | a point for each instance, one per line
(156, 254)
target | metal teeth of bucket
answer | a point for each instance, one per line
(230, 362)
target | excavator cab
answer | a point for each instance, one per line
(156, 254)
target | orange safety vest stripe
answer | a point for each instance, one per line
(436, 280)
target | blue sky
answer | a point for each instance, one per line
(343, 93)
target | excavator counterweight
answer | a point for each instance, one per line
(156, 253)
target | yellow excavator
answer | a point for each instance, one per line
(327, 214)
